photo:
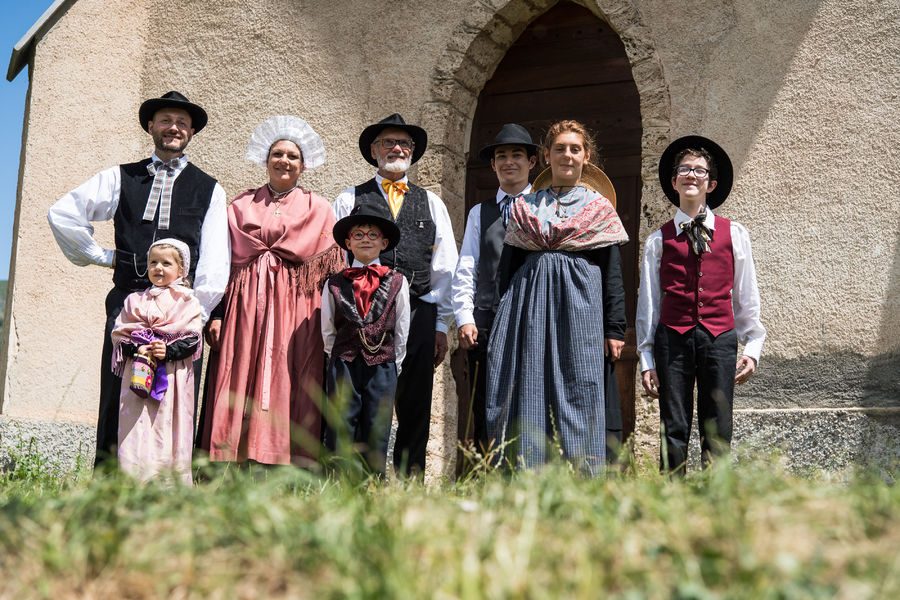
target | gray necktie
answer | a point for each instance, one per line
(161, 192)
(505, 206)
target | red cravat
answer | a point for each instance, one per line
(365, 281)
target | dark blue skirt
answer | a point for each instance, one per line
(545, 388)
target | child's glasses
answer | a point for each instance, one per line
(371, 234)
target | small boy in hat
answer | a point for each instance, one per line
(365, 325)
(698, 298)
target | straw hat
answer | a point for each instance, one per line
(592, 177)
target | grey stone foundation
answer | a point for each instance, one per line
(63, 444)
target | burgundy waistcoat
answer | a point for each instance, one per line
(697, 289)
(379, 320)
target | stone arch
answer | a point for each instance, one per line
(468, 62)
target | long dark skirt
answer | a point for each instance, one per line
(545, 390)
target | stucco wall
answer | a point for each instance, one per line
(804, 95)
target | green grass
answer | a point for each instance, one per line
(751, 531)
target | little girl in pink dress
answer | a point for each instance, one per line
(161, 326)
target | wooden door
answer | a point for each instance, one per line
(568, 64)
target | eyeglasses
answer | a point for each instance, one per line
(388, 143)
(371, 234)
(697, 171)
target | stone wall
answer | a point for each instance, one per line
(803, 95)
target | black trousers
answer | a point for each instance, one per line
(362, 417)
(681, 360)
(111, 384)
(478, 364)
(414, 387)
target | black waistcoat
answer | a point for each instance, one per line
(487, 291)
(412, 256)
(190, 201)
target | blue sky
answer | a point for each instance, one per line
(18, 17)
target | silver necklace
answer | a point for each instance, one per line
(277, 196)
(559, 203)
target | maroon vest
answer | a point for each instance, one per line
(697, 289)
(379, 321)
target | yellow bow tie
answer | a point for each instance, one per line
(395, 191)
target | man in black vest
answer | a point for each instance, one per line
(475, 296)
(161, 196)
(426, 255)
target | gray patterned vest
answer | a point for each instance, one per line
(487, 294)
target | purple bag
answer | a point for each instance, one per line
(148, 376)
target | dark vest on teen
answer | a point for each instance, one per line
(191, 196)
(377, 327)
(487, 289)
(412, 256)
(697, 289)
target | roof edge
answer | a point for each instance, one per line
(22, 50)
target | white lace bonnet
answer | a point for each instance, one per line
(286, 127)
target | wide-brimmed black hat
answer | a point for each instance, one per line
(724, 177)
(367, 214)
(395, 121)
(511, 134)
(172, 100)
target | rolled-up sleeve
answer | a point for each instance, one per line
(70, 218)
(214, 263)
(745, 297)
(443, 262)
(648, 301)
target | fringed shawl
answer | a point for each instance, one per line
(588, 221)
(170, 314)
(298, 239)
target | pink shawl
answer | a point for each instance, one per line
(170, 313)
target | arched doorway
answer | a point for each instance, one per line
(569, 64)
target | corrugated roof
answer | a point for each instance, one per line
(21, 53)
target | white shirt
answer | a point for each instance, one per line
(401, 323)
(744, 298)
(97, 200)
(465, 279)
(444, 254)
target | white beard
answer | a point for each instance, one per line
(397, 165)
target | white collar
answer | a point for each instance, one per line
(357, 264)
(379, 179)
(501, 194)
(182, 160)
(681, 217)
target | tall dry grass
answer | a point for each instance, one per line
(746, 531)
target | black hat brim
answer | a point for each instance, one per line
(149, 108)
(388, 229)
(725, 171)
(418, 135)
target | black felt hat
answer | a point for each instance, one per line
(367, 214)
(395, 121)
(172, 100)
(511, 134)
(724, 177)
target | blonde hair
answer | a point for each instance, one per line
(185, 280)
(570, 125)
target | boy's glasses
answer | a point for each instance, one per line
(698, 171)
(361, 235)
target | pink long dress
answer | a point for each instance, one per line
(268, 372)
(156, 437)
